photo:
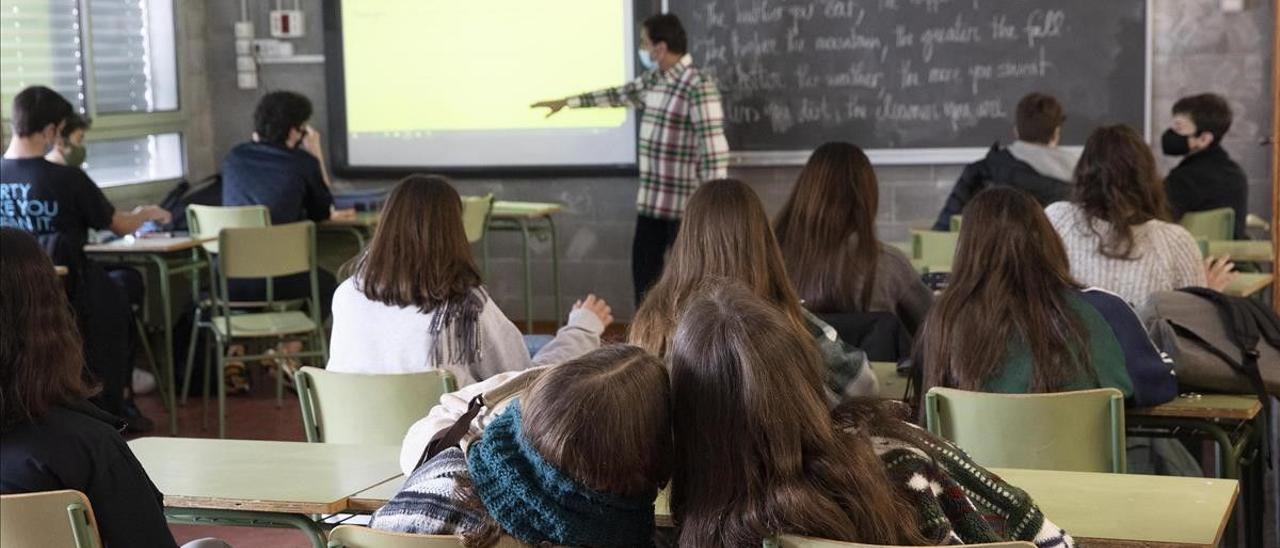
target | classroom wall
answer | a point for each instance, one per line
(1196, 48)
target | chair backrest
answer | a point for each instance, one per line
(205, 221)
(1211, 224)
(475, 216)
(795, 541)
(49, 518)
(1081, 431)
(355, 536)
(956, 221)
(367, 409)
(934, 249)
(267, 252)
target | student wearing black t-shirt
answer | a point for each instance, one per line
(59, 204)
(1207, 177)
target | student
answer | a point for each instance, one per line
(414, 299)
(51, 438)
(759, 452)
(1207, 177)
(69, 150)
(1114, 229)
(1033, 162)
(827, 232)
(1013, 320)
(726, 234)
(59, 204)
(282, 168)
(575, 459)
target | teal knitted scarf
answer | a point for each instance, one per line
(534, 502)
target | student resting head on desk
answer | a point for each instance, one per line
(52, 438)
(726, 234)
(576, 458)
(759, 451)
(414, 300)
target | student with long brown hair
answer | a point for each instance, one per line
(726, 234)
(415, 301)
(1013, 319)
(51, 437)
(758, 451)
(1115, 228)
(572, 454)
(827, 232)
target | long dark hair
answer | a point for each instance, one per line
(725, 234)
(827, 230)
(1116, 181)
(604, 419)
(41, 359)
(1009, 283)
(757, 451)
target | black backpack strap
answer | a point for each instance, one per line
(452, 436)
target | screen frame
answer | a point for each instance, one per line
(335, 87)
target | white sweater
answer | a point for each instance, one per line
(1167, 256)
(374, 338)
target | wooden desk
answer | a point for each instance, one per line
(527, 218)
(163, 254)
(1127, 509)
(60, 270)
(1258, 251)
(249, 482)
(375, 497)
(1205, 406)
(1248, 283)
(892, 385)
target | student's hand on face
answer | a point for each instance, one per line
(597, 306)
(343, 214)
(311, 140)
(1219, 272)
(555, 105)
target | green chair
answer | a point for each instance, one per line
(266, 252)
(1211, 224)
(1080, 431)
(795, 541)
(955, 222)
(353, 408)
(934, 249)
(49, 518)
(207, 222)
(475, 216)
(355, 536)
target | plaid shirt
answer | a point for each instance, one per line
(681, 134)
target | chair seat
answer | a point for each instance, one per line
(266, 324)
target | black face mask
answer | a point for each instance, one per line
(1173, 144)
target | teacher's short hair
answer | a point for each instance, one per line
(277, 113)
(666, 28)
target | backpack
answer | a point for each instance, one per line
(206, 192)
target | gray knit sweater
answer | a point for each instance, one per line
(1166, 257)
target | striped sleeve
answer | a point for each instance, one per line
(629, 94)
(430, 503)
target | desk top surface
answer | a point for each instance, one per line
(147, 245)
(1204, 406)
(267, 476)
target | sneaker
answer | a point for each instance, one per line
(143, 381)
(135, 421)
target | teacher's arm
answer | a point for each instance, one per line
(707, 117)
(629, 94)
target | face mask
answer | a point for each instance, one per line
(74, 155)
(1173, 144)
(646, 59)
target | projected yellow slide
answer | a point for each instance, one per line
(448, 65)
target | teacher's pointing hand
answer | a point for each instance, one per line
(554, 106)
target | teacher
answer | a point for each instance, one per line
(681, 138)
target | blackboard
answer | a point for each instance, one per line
(915, 74)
